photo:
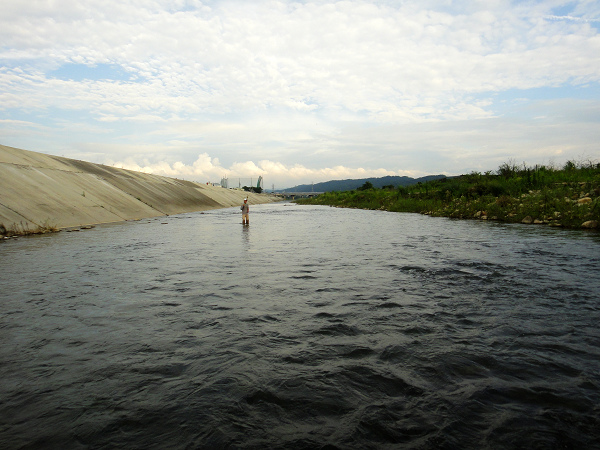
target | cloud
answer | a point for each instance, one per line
(206, 168)
(315, 88)
(571, 18)
(236, 56)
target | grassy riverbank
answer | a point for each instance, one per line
(564, 197)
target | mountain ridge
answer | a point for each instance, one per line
(350, 184)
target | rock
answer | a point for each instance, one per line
(590, 224)
(527, 220)
(538, 221)
(584, 200)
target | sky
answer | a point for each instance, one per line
(304, 91)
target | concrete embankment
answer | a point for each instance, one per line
(44, 190)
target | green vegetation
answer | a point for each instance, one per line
(566, 197)
(24, 230)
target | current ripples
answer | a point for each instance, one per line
(314, 327)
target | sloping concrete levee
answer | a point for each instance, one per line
(38, 189)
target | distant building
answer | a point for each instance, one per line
(242, 182)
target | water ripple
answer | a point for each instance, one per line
(314, 327)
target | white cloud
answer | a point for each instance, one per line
(207, 168)
(314, 88)
(355, 55)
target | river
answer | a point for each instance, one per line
(313, 327)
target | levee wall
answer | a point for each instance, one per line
(38, 189)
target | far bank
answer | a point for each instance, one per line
(568, 197)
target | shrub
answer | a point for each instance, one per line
(508, 169)
(365, 187)
(496, 189)
(504, 201)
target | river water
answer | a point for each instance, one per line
(313, 327)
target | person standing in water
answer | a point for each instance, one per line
(245, 210)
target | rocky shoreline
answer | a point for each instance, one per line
(535, 208)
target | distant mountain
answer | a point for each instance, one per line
(348, 185)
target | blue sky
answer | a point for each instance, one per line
(302, 92)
